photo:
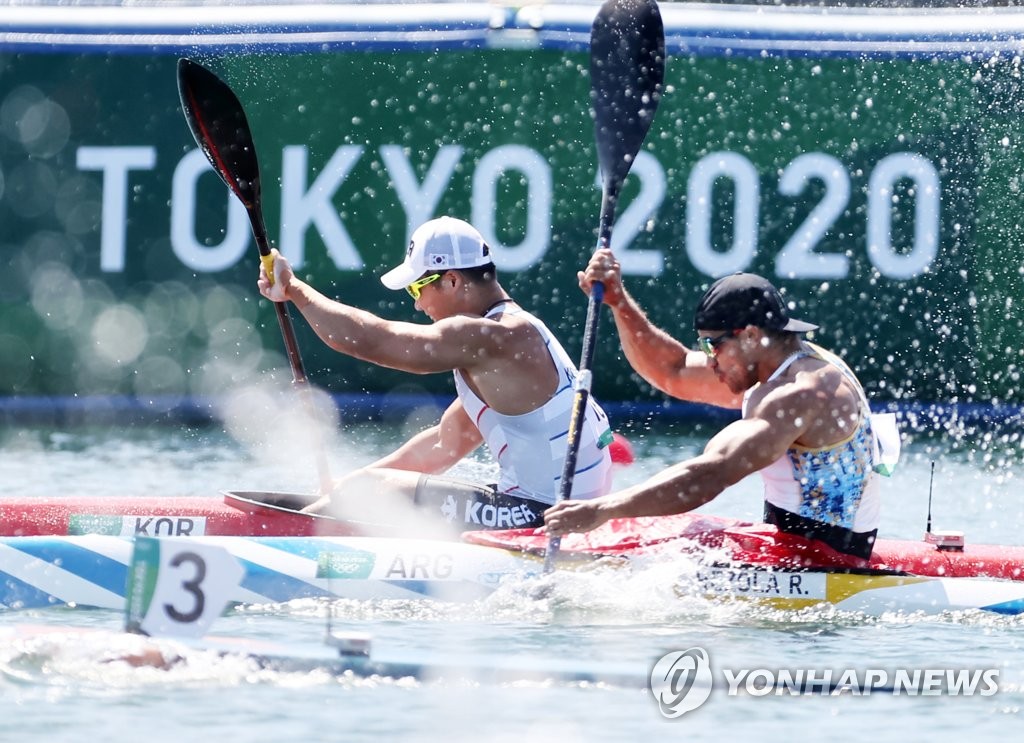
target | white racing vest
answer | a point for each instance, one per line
(835, 485)
(530, 448)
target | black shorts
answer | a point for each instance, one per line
(471, 507)
(847, 541)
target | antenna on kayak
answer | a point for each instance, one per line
(944, 541)
(329, 629)
(931, 481)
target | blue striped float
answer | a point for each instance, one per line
(92, 570)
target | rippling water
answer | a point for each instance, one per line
(67, 688)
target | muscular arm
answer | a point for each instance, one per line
(659, 358)
(740, 449)
(439, 447)
(665, 362)
(454, 343)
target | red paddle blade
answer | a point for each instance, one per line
(218, 123)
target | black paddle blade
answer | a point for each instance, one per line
(627, 69)
(218, 123)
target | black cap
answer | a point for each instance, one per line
(743, 299)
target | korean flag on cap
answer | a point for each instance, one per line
(441, 244)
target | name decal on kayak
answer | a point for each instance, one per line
(724, 580)
(488, 514)
(136, 525)
(420, 566)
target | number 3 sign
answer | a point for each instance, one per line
(178, 587)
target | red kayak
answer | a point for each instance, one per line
(236, 514)
(763, 545)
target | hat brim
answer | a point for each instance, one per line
(400, 277)
(799, 326)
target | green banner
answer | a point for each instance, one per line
(881, 193)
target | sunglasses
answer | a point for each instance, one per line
(709, 345)
(414, 287)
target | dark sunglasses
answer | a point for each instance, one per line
(709, 345)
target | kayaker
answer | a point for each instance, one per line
(805, 425)
(512, 377)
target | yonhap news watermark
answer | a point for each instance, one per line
(682, 681)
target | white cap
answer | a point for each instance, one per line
(439, 245)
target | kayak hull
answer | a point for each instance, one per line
(76, 551)
(277, 514)
(764, 545)
(238, 513)
(92, 571)
(871, 594)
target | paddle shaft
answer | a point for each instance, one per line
(584, 379)
(284, 320)
(627, 68)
